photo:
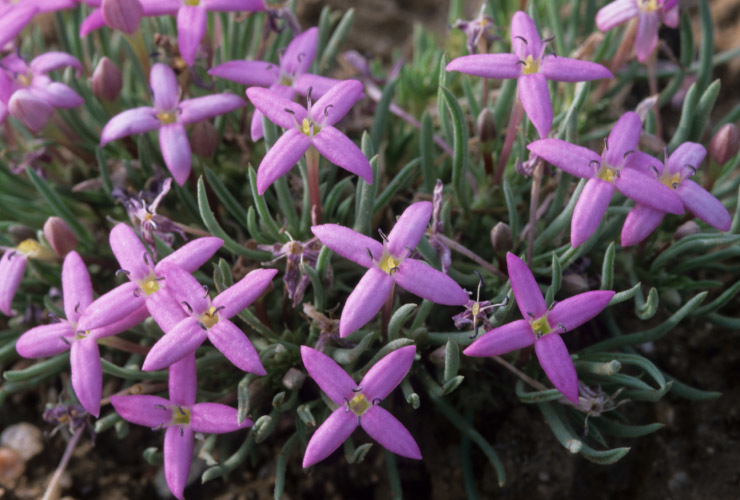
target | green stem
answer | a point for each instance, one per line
(314, 193)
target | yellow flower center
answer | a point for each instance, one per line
(388, 264)
(167, 117)
(475, 309)
(24, 80)
(209, 318)
(607, 174)
(540, 326)
(671, 180)
(649, 5)
(29, 247)
(148, 217)
(81, 335)
(530, 66)
(309, 128)
(180, 415)
(286, 80)
(149, 285)
(192, 3)
(359, 404)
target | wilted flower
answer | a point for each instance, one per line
(475, 29)
(445, 256)
(296, 254)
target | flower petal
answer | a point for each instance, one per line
(616, 13)
(644, 163)
(623, 138)
(235, 345)
(45, 340)
(12, 267)
(126, 323)
(669, 15)
(389, 432)
(487, 65)
(640, 222)
(256, 126)
(589, 210)
(146, 410)
(387, 373)
(178, 455)
(165, 90)
(165, 310)
(30, 109)
(701, 203)
(50, 61)
(182, 381)
(535, 97)
(76, 286)
(342, 152)
(563, 69)
(575, 311)
(214, 418)
(191, 26)
(173, 140)
(234, 5)
(648, 190)
(87, 374)
(319, 85)
(576, 160)
(409, 228)
(329, 436)
(203, 108)
(688, 154)
(160, 7)
(331, 378)
(365, 300)
(239, 296)
(194, 254)
(348, 243)
(506, 338)
(184, 288)
(180, 341)
(130, 252)
(332, 106)
(528, 296)
(248, 73)
(274, 107)
(281, 157)
(122, 15)
(13, 19)
(130, 122)
(300, 53)
(92, 22)
(111, 307)
(525, 39)
(555, 361)
(647, 35)
(421, 279)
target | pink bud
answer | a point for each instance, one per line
(293, 379)
(59, 236)
(686, 229)
(204, 139)
(30, 110)
(725, 144)
(106, 80)
(501, 239)
(123, 15)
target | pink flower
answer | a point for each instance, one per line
(12, 267)
(15, 14)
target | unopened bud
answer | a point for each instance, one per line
(293, 379)
(725, 144)
(501, 239)
(574, 283)
(106, 80)
(686, 229)
(486, 127)
(122, 15)
(438, 356)
(32, 111)
(59, 236)
(204, 139)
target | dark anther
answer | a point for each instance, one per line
(300, 56)
(190, 309)
(269, 67)
(289, 111)
(376, 401)
(202, 326)
(146, 258)
(146, 208)
(137, 292)
(552, 305)
(182, 432)
(326, 109)
(369, 254)
(123, 271)
(548, 39)
(475, 334)
(480, 279)
(563, 327)
(219, 308)
(205, 288)
(394, 270)
(606, 143)
(182, 412)
(591, 164)
(531, 315)
(618, 174)
(159, 278)
(66, 341)
(627, 153)
(346, 408)
(675, 185)
(382, 235)
(693, 168)
(308, 94)
(521, 62)
(160, 407)
(357, 389)
(522, 39)
(77, 308)
(655, 171)
(12, 254)
(158, 427)
(504, 303)
(55, 318)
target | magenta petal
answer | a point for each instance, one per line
(12, 267)
(160, 7)
(506, 338)
(52, 5)
(576, 160)
(255, 127)
(333, 105)
(248, 73)
(646, 189)
(387, 373)
(191, 26)
(55, 94)
(330, 377)
(45, 340)
(528, 297)
(130, 252)
(688, 154)
(329, 436)
(644, 163)
(590, 209)
(92, 22)
(194, 254)
(146, 410)
(239, 296)
(111, 307)
(348, 243)
(129, 122)
(575, 311)
(173, 140)
(701, 203)
(616, 13)
(13, 18)
(184, 288)
(421, 279)
(235, 345)
(563, 69)
(669, 15)
(30, 109)
(178, 455)
(409, 228)
(300, 52)
(556, 362)
(214, 418)
(274, 107)
(51, 61)
(281, 157)
(87, 374)
(122, 15)
(234, 5)
(319, 85)
(525, 39)
(121, 325)
(389, 432)
(487, 65)
(342, 152)
(640, 222)
(623, 138)
(164, 87)
(647, 35)
(535, 97)
(202, 108)
(76, 286)
(365, 300)
(180, 341)
(165, 310)
(182, 381)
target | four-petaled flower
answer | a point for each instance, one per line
(388, 263)
(618, 167)
(309, 128)
(358, 404)
(182, 417)
(12, 267)
(532, 68)
(542, 327)
(170, 116)
(15, 14)
(649, 14)
(682, 164)
(206, 318)
(285, 79)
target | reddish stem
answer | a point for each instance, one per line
(517, 114)
(314, 193)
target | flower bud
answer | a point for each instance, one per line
(486, 127)
(59, 236)
(106, 80)
(293, 379)
(501, 239)
(204, 139)
(32, 111)
(438, 356)
(122, 15)
(725, 144)
(686, 229)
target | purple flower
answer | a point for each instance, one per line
(532, 68)
(388, 263)
(146, 279)
(649, 14)
(618, 167)
(682, 164)
(542, 327)
(48, 340)
(359, 405)
(296, 254)
(123, 15)
(209, 319)
(284, 80)
(181, 416)
(12, 267)
(15, 15)
(27, 93)
(309, 128)
(170, 116)
(475, 29)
